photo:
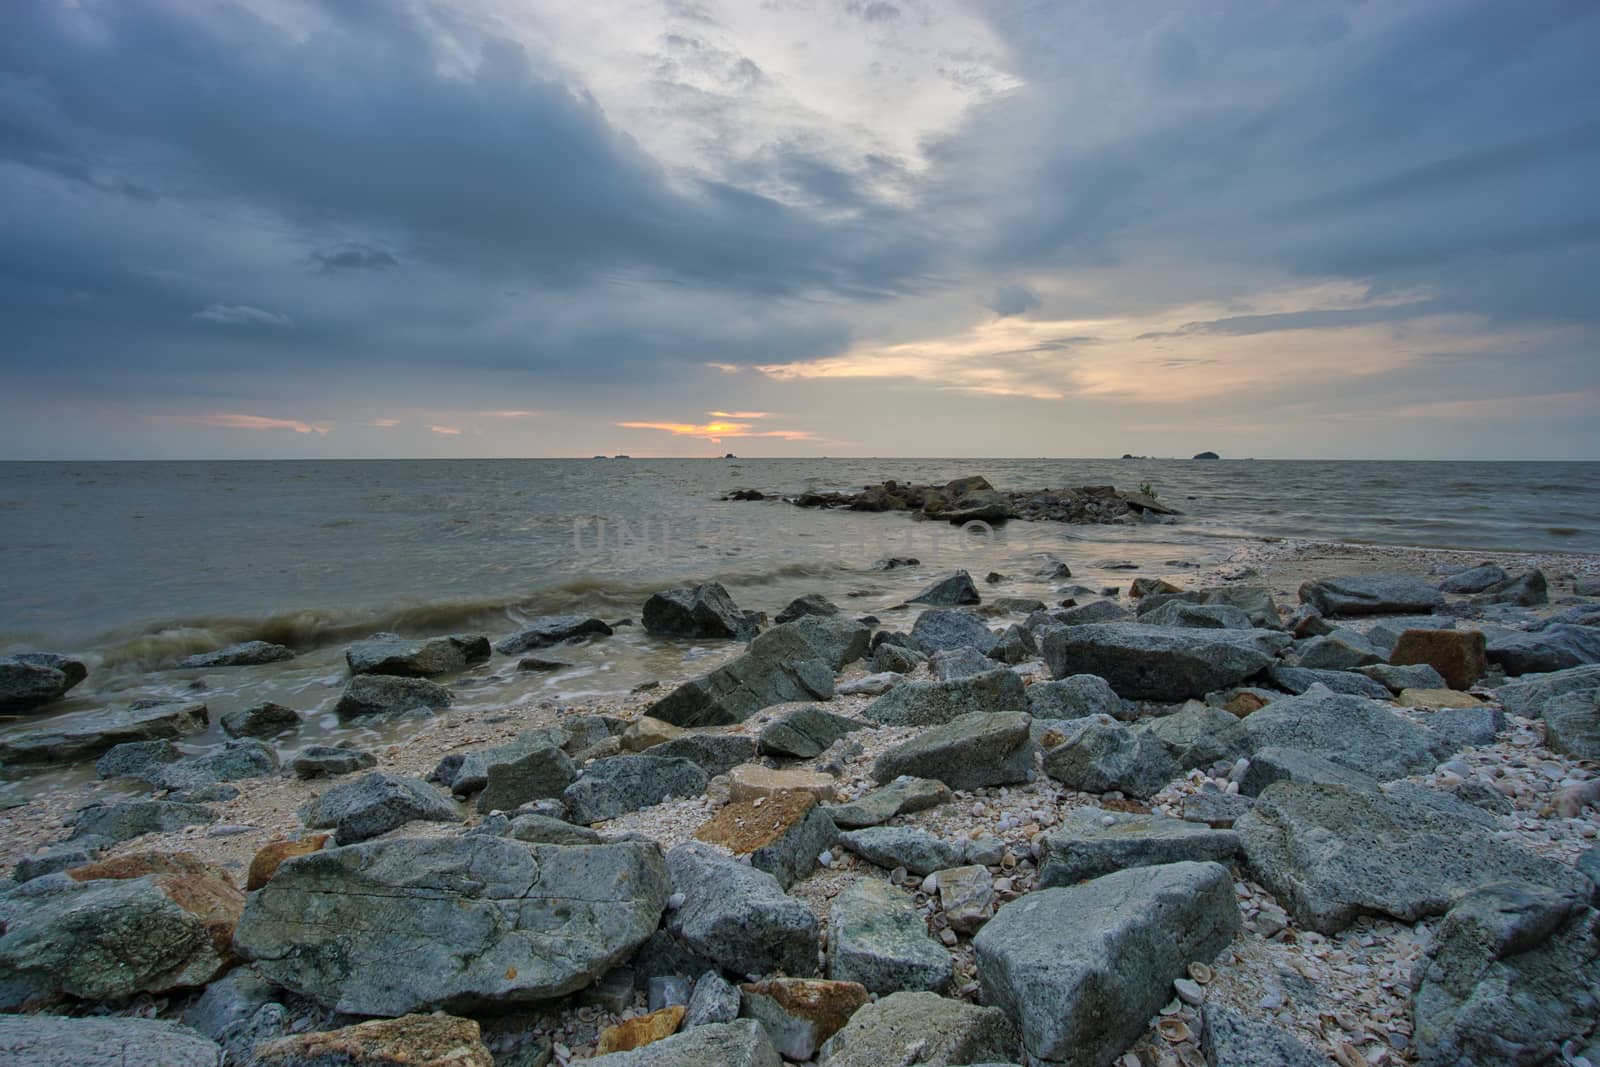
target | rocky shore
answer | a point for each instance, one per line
(973, 499)
(1320, 804)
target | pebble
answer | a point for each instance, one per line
(1189, 991)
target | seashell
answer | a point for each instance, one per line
(1190, 1056)
(1346, 1055)
(1201, 973)
(1174, 1030)
(1008, 862)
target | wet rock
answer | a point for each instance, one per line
(1332, 853)
(1016, 605)
(1093, 842)
(86, 734)
(382, 694)
(1525, 591)
(59, 1041)
(1298, 680)
(803, 731)
(922, 1028)
(890, 563)
(375, 804)
(1099, 757)
(899, 797)
(1412, 676)
(1160, 662)
(877, 938)
(620, 784)
(1555, 648)
(1082, 969)
(739, 917)
(421, 658)
(549, 630)
(1528, 695)
(477, 919)
(949, 591)
(741, 1043)
(1230, 1038)
(1198, 735)
(938, 631)
(134, 818)
(325, 761)
(1370, 594)
(937, 702)
(244, 654)
(1276, 764)
(782, 835)
(1474, 579)
(1073, 697)
(33, 679)
(702, 611)
(973, 751)
(799, 1014)
(538, 774)
(714, 1000)
(1460, 656)
(260, 720)
(918, 851)
(1572, 725)
(713, 753)
(810, 604)
(1353, 732)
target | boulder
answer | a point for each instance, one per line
(938, 631)
(702, 611)
(410, 924)
(973, 751)
(782, 835)
(896, 659)
(937, 702)
(548, 630)
(1016, 605)
(1101, 757)
(1460, 727)
(84, 735)
(32, 679)
(915, 849)
(877, 938)
(260, 720)
(1073, 697)
(1229, 1038)
(1093, 842)
(420, 658)
(1354, 732)
(739, 917)
(1177, 612)
(1460, 656)
(1572, 725)
(1274, 764)
(963, 662)
(714, 1000)
(620, 784)
(1411, 676)
(158, 764)
(110, 1041)
(127, 820)
(1016, 645)
(949, 591)
(1474, 579)
(269, 857)
(802, 731)
(713, 753)
(1337, 651)
(1528, 695)
(1298, 680)
(375, 804)
(799, 1014)
(1555, 648)
(244, 654)
(1330, 854)
(467, 772)
(810, 604)
(1255, 601)
(326, 761)
(1094, 612)
(966, 896)
(538, 829)
(640, 1030)
(1161, 662)
(540, 773)
(922, 1028)
(1198, 735)
(1214, 808)
(382, 694)
(1082, 969)
(741, 1043)
(899, 797)
(436, 1040)
(751, 781)
(1524, 591)
(1370, 594)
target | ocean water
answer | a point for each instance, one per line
(133, 565)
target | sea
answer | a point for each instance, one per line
(134, 565)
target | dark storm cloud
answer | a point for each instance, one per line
(353, 256)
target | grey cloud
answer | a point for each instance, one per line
(241, 315)
(872, 10)
(353, 256)
(1013, 299)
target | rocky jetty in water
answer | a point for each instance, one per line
(973, 499)
(1287, 819)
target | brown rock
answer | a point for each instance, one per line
(409, 1041)
(746, 825)
(1459, 655)
(199, 888)
(801, 1013)
(266, 862)
(1437, 698)
(647, 732)
(634, 1033)
(750, 780)
(1244, 704)
(1147, 586)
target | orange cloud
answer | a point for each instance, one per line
(446, 431)
(738, 414)
(387, 424)
(502, 414)
(716, 431)
(250, 422)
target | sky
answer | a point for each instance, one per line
(403, 228)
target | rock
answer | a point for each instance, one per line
(899, 797)
(948, 591)
(952, 663)
(1572, 725)
(1161, 662)
(1275, 764)
(1016, 645)
(1411, 676)
(869, 685)
(810, 604)
(1093, 842)
(549, 630)
(782, 835)
(939, 631)
(714, 1000)
(640, 1031)
(802, 731)
(86, 734)
(1460, 656)
(423, 1040)
(973, 751)
(33, 679)
(375, 804)
(382, 694)
(934, 703)
(58, 1041)
(1016, 605)
(1474, 579)
(702, 611)
(1095, 612)
(1555, 648)
(890, 563)
(467, 772)
(616, 786)
(539, 774)
(1229, 1038)
(742, 1043)
(713, 753)
(260, 720)
(134, 818)
(159, 764)
(1525, 590)
(1143, 587)
(739, 917)
(536, 663)
(915, 849)
(1175, 612)
(49, 861)
(1255, 601)
(876, 938)
(799, 1014)
(476, 919)
(245, 654)
(424, 658)
(896, 659)
(1460, 726)
(1298, 680)
(138, 924)
(1509, 976)
(1217, 810)
(324, 761)
(538, 829)
(1099, 757)
(1082, 969)
(966, 897)
(753, 781)
(1073, 697)
(922, 1028)
(1332, 853)
(1528, 695)
(1198, 735)
(1353, 732)
(1338, 651)
(1370, 594)
(646, 732)
(272, 855)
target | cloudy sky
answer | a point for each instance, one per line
(241, 228)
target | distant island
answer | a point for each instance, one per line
(1206, 455)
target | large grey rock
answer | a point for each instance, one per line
(48, 861)
(1525, 590)
(620, 784)
(161, 765)
(936, 702)
(1073, 697)
(1016, 645)
(1255, 601)
(701, 611)
(877, 938)
(1330, 854)
(1166, 663)
(940, 631)
(548, 630)
(1459, 728)
(1510, 974)
(925, 1029)
(915, 849)
(713, 753)
(739, 917)
(1352, 731)
(32, 679)
(1338, 651)
(1082, 969)
(803, 731)
(59, 1041)
(1096, 611)
(896, 659)
(383, 694)
(467, 772)
(326, 761)
(1555, 648)
(897, 798)
(1092, 842)
(86, 734)
(260, 720)
(973, 751)
(127, 820)
(1528, 695)
(239, 1010)
(962, 662)
(538, 829)
(1299, 680)
(809, 604)
(1397, 679)
(1101, 757)
(1198, 735)
(1371, 594)
(412, 924)
(1229, 1038)
(1474, 579)
(741, 1043)
(416, 658)
(538, 774)
(714, 1000)
(375, 804)
(1275, 764)
(1572, 725)
(949, 591)
(244, 654)
(1177, 612)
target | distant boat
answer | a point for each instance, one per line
(729, 455)
(599, 457)
(619, 455)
